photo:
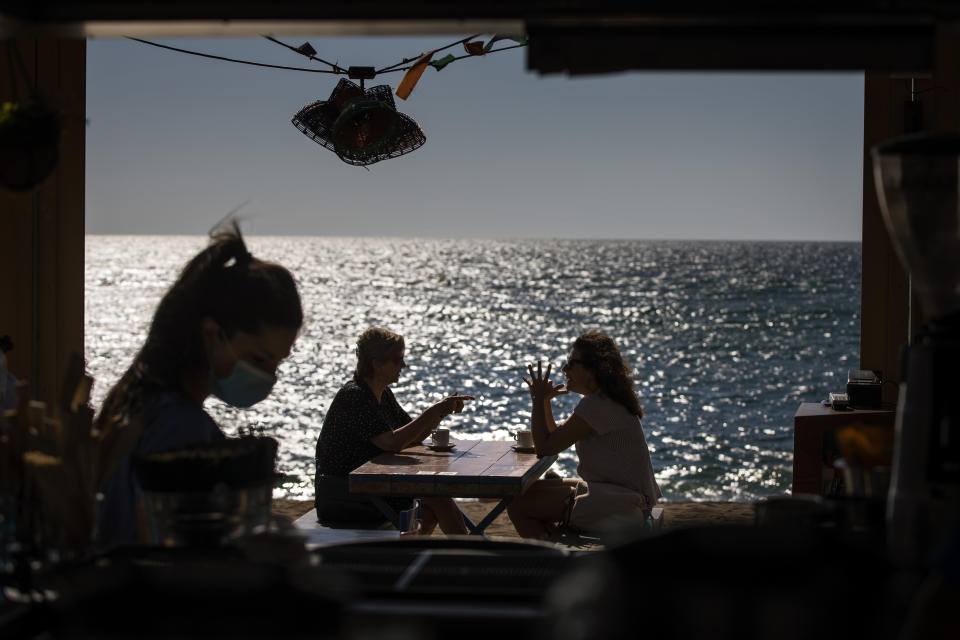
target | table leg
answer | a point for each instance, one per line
(475, 529)
(471, 526)
(478, 529)
(386, 510)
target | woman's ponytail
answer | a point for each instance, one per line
(224, 282)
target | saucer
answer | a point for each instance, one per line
(435, 447)
(520, 449)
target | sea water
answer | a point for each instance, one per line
(727, 338)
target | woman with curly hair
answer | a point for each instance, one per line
(616, 485)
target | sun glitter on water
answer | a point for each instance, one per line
(727, 338)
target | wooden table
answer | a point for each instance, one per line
(473, 469)
(812, 468)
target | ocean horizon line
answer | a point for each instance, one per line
(497, 238)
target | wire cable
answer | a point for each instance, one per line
(470, 55)
(213, 57)
(458, 58)
(408, 60)
(337, 68)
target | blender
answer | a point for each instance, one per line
(918, 185)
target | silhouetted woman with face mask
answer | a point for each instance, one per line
(221, 329)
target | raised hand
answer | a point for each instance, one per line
(541, 386)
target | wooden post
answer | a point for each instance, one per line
(42, 231)
(885, 291)
(945, 92)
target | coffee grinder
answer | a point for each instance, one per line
(918, 185)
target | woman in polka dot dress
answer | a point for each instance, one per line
(363, 421)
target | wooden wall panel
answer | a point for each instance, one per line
(885, 293)
(42, 231)
(945, 88)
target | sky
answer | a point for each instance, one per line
(175, 142)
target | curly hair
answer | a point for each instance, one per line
(376, 343)
(601, 356)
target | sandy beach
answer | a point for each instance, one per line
(676, 515)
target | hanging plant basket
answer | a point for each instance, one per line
(29, 144)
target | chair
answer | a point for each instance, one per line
(318, 535)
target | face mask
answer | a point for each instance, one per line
(244, 387)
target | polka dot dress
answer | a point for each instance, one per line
(354, 417)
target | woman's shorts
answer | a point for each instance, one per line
(601, 506)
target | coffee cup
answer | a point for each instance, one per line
(441, 438)
(524, 438)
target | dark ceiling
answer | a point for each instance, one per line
(573, 36)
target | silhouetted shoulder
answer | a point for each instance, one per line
(351, 392)
(604, 415)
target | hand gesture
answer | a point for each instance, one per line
(453, 404)
(541, 386)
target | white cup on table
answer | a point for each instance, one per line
(441, 438)
(524, 438)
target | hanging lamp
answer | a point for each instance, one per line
(362, 126)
